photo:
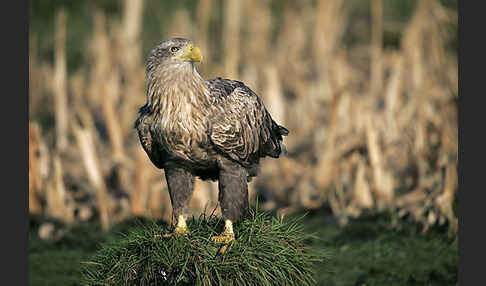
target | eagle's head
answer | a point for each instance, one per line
(171, 74)
(173, 53)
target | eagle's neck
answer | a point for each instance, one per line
(176, 86)
(180, 99)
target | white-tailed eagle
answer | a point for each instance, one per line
(215, 129)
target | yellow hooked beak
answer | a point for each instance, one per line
(192, 54)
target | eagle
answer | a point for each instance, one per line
(216, 129)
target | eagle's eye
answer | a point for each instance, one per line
(174, 49)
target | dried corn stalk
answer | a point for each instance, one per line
(59, 82)
(38, 168)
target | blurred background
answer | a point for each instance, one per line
(367, 88)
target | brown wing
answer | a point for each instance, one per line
(142, 124)
(242, 127)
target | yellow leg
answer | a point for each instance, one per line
(227, 235)
(181, 228)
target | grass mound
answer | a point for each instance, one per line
(267, 251)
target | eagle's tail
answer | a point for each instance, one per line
(283, 132)
(283, 149)
(274, 147)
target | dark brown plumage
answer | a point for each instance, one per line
(215, 129)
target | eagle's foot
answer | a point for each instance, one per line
(227, 235)
(224, 237)
(181, 228)
(177, 231)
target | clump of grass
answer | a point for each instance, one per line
(267, 251)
